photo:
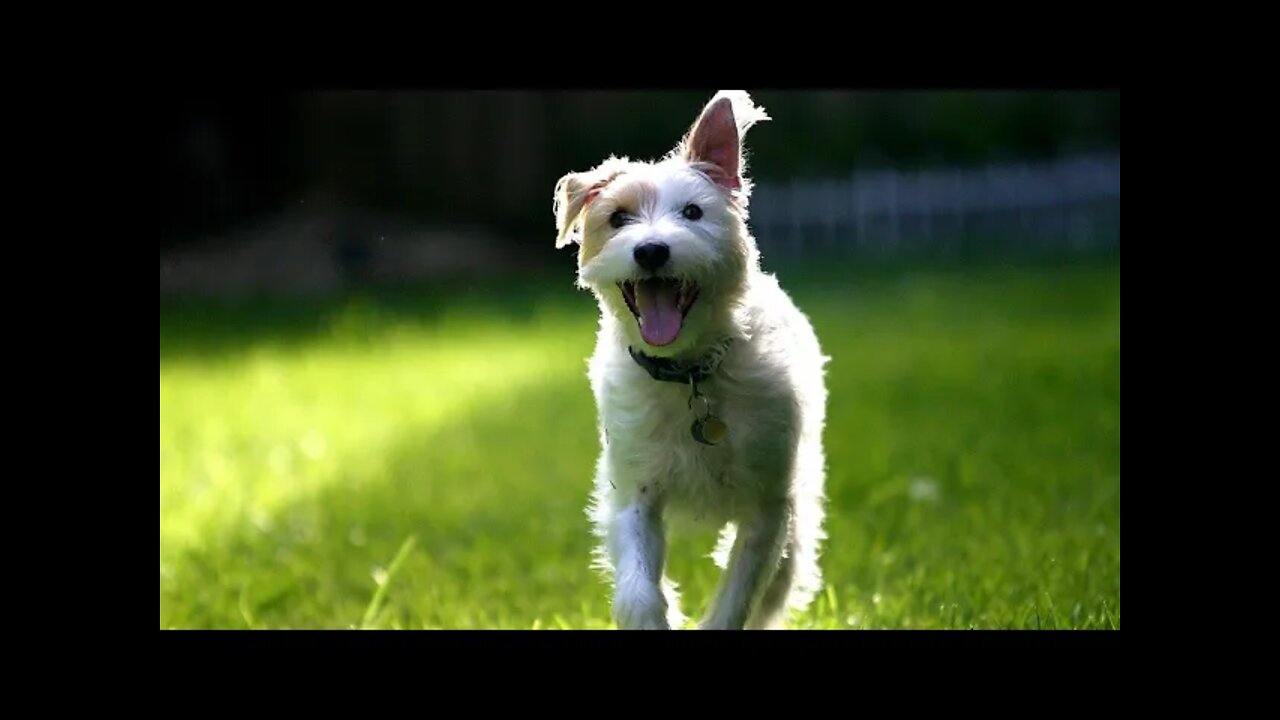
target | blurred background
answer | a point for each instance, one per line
(319, 191)
(373, 405)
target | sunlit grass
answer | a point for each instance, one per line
(424, 463)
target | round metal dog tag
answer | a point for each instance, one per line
(710, 430)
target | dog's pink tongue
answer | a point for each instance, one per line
(659, 306)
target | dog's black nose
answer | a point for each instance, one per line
(652, 256)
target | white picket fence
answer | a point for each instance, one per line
(1073, 203)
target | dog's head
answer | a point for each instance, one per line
(664, 245)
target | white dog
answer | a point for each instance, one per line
(707, 378)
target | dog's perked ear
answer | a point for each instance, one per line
(715, 141)
(574, 192)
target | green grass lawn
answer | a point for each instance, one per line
(422, 461)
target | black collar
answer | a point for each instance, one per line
(676, 371)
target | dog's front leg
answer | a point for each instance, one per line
(637, 549)
(752, 564)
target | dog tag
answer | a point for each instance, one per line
(710, 430)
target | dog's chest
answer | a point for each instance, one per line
(651, 445)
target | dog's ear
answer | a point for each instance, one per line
(715, 141)
(574, 192)
(570, 198)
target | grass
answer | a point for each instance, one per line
(421, 460)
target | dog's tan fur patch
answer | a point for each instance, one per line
(631, 195)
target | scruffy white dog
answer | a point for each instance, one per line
(707, 378)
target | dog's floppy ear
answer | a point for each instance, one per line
(574, 192)
(570, 198)
(715, 141)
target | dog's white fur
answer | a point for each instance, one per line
(764, 484)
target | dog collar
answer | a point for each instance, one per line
(669, 370)
(707, 428)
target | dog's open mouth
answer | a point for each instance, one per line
(660, 306)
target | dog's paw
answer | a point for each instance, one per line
(646, 621)
(646, 616)
(638, 604)
(649, 617)
(653, 624)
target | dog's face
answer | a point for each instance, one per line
(664, 245)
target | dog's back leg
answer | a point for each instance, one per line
(753, 562)
(770, 613)
(798, 576)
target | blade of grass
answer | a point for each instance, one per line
(245, 611)
(380, 594)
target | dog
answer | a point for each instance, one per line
(709, 382)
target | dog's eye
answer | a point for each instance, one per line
(691, 211)
(617, 219)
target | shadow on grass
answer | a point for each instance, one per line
(208, 328)
(211, 328)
